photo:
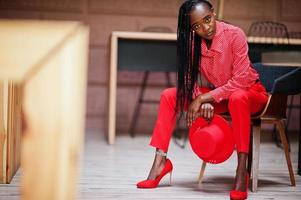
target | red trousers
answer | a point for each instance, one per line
(241, 104)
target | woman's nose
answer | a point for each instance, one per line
(205, 27)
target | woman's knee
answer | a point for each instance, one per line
(169, 93)
(237, 97)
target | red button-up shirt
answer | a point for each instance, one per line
(226, 64)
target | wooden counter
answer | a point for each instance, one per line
(48, 61)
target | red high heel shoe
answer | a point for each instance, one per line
(240, 195)
(154, 183)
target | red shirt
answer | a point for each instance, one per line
(226, 64)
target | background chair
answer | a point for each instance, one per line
(279, 82)
(294, 35)
(268, 29)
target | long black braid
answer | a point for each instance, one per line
(187, 65)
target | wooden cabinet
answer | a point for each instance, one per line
(43, 68)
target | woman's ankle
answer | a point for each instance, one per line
(241, 171)
(240, 179)
(157, 167)
(160, 156)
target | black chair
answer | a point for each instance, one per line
(279, 82)
(275, 30)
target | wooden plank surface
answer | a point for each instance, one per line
(14, 130)
(282, 58)
(173, 37)
(10, 130)
(31, 42)
(112, 90)
(111, 172)
(3, 129)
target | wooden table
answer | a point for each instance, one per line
(112, 89)
(48, 61)
(282, 58)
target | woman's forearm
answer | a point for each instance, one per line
(205, 98)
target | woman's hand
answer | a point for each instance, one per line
(207, 111)
(195, 109)
(192, 111)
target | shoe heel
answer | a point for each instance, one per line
(170, 174)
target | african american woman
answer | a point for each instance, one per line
(217, 52)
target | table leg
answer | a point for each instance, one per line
(299, 154)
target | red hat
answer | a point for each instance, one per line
(212, 142)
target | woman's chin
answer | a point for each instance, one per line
(209, 37)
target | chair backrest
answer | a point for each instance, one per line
(268, 29)
(279, 82)
(279, 79)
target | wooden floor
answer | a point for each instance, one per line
(110, 172)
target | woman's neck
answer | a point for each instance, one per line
(208, 43)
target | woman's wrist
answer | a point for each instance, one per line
(205, 98)
(200, 99)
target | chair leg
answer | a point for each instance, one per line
(255, 153)
(201, 175)
(250, 155)
(281, 127)
(138, 105)
(289, 114)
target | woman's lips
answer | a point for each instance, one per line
(210, 33)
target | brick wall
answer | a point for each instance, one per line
(105, 16)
